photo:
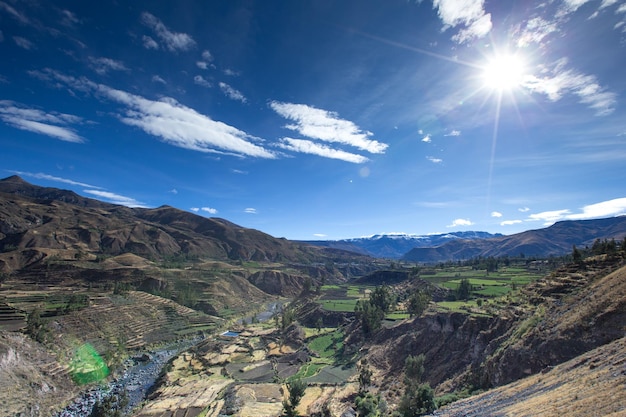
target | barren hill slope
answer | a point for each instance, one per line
(593, 384)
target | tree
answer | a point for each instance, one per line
(36, 326)
(413, 369)
(577, 257)
(365, 375)
(370, 316)
(417, 400)
(464, 290)
(367, 405)
(381, 297)
(417, 303)
(296, 388)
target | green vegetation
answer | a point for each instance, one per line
(296, 388)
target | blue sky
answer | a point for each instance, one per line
(323, 119)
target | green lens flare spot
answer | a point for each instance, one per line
(87, 366)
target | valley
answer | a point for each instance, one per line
(92, 293)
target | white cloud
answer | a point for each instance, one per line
(460, 222)
(149, 43)
(232, 93)
(570, 6)
(104, 65)
(174, 123)
(478, 29)
(157, 79)
(174, 191)
(37, 121)
(549, 217)
(312, 148)
(250, 210)
(42, 176)
(523, 209)
(200, 80)
(69, 19)
(468, 13)
(209, 210)
(560, 81)
(195, 209)
(510, 222)
(116, 198)
(238, 171)
(434, 160)
(319, 235)
(206, 55)
(427, 139)
(496, 214)
(609, 208)
(326, 126)
(17, 15)
(202, 65)
(23, 43)
(231, 73)
(454, 133)
(536, 30)
(173, 41)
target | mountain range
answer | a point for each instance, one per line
(38, 222)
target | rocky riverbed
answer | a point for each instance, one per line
(134, 379)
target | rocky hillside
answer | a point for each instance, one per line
(571, 312)
(555, 240)
(589, 385)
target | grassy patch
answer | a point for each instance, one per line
(326, 346)
(346, 305)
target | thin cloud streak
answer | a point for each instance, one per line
(38, 121)
(42, 176)
(326, 126)
(116, 198)
(312, 148)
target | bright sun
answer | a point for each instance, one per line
(503, 72)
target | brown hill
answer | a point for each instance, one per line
(555, 240)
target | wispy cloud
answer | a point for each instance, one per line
(469, 14)
(496, 214)
(206, 60)
(609, 208)
(523, 209)
(173, 41)
(195, 209)
(116, 198)
(232, 93)
(453, 133)
(20, 17)
(103, 65)
(558, 81)
(535, 31)
(201, 81)
(319, 235)
(173, 191)
(510, 222)
(23, 43)
(51, 124)
(434, 160)
(313, 148)
(149, 43)
(326, 126)
(157, 79)
(69, 18)
(172, 122)
(209, 210)
(250, 210)
(427, 139)
(460, 222)
(42, 176)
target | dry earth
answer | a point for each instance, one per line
(593, 384)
